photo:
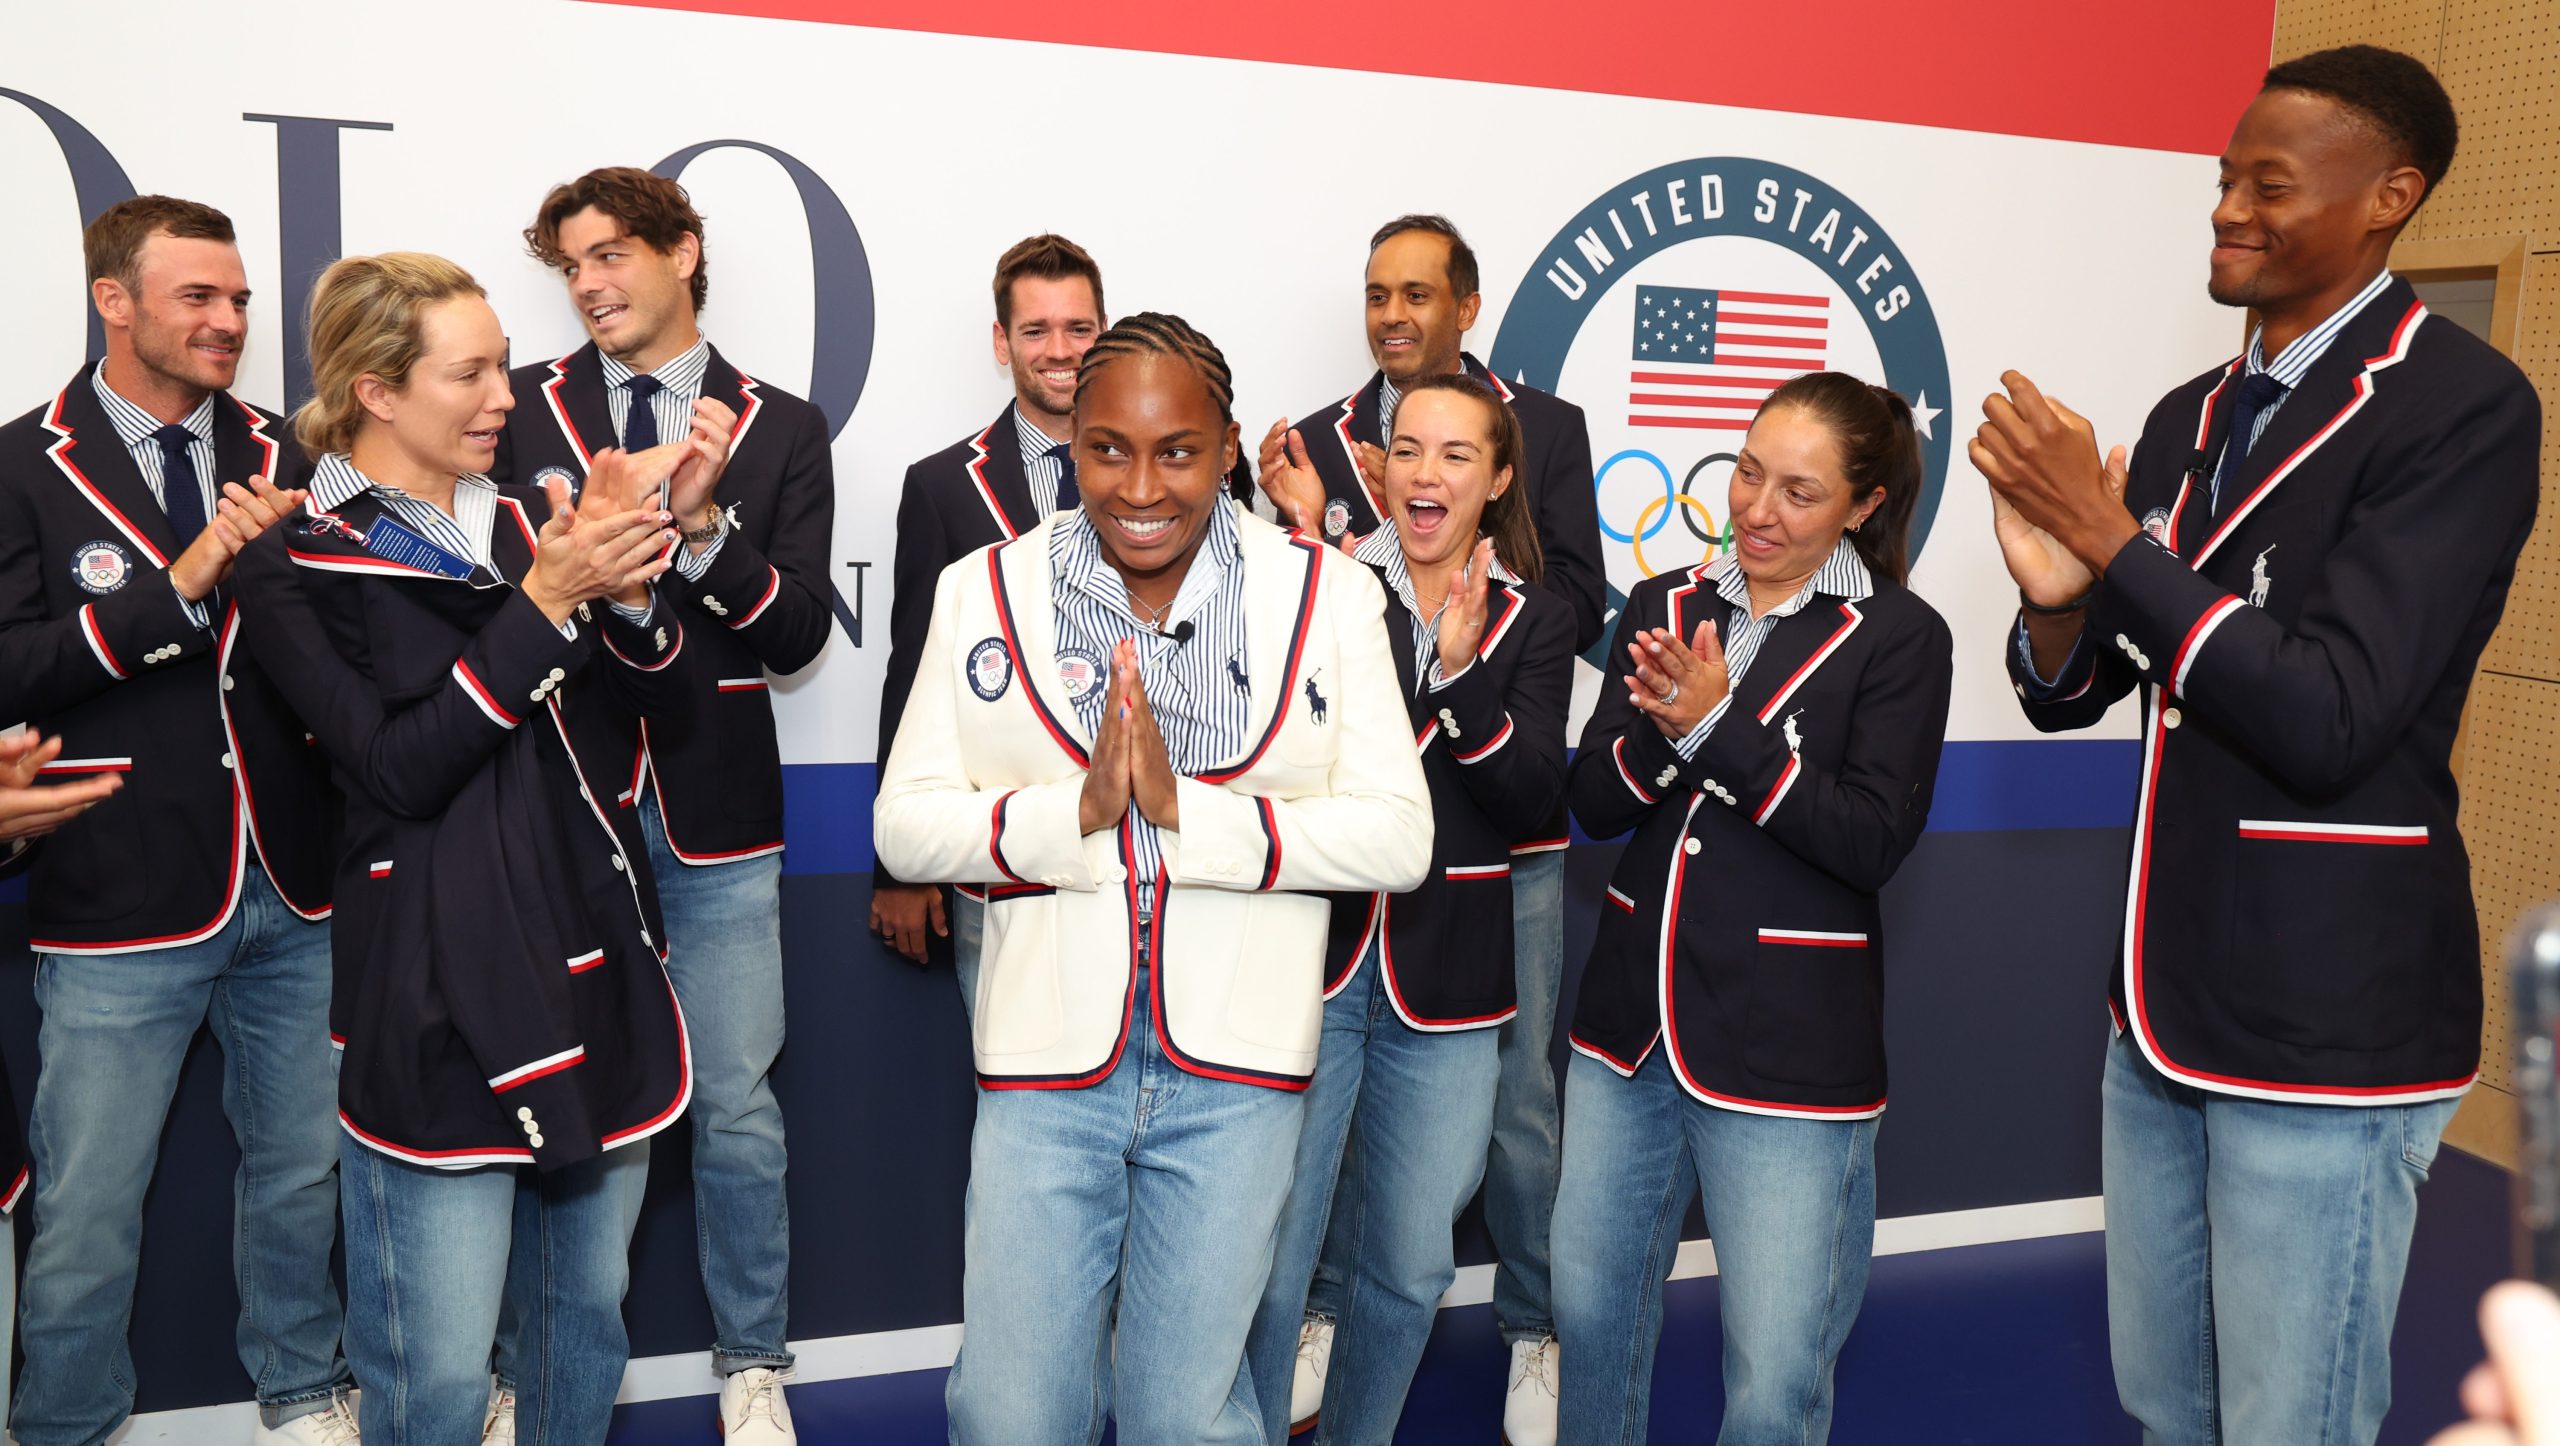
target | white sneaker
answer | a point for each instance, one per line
(1306, 1383)
(752, 1409)
(335, 1426)
(499, 1428)
(1529, 1408)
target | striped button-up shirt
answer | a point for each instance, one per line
(1843, 575)
(139, 431)
(1198, 689)
(465, 533)
(679, 387)
(1381, 549)
(1039, 468)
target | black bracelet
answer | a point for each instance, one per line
(2073, 606)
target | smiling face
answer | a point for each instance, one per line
(1152, 454)
(1441, 476)
(1789, 499)
(444, 420)
(1054, 323)
(2307, 197)
(187, 313)
(634, 299)
(1416, 322)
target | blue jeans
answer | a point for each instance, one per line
(2255, 1252)
(1792, 1205)
(1156, 1192)
(116, 1028)
(724, 939)
(8, 1302)
(1423, 1104)
(1520, 1171)
(968, 931)
(433, 1256)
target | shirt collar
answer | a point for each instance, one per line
(1076, 563)
(134, 426)
(682, 373)
(1383, 548)
(2295, 361)
(1035, 443)
(335, 482)
(1842, 575)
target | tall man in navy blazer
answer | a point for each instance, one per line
(2327, 529)
(986, 488)
(1420, 296)
(751, 575)
(198, 893)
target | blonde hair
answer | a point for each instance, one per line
(368, 315)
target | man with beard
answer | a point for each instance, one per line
(198, 892)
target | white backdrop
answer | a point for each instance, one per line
(1238, 194)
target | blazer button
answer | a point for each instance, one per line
(226, 682)
(532, 1126)
(524, 1112)
(557, 674)
(535, 1141)
(1115, 873)
(618, 864)
(1691, 846)
(226, 760)
(2172, 718)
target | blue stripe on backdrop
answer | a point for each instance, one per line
(1982, 788)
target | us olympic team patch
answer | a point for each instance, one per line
(1079, 672)
(101, 567)
(542, 480)
(990, 669)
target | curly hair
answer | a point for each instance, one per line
(1158, 333)
(2393, 93)
(649, 207)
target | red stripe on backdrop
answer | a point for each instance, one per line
(1925, 62)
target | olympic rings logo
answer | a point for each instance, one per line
(1657, 512)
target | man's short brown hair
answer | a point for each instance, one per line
(648, 206)
(1051, 258)
(112, 244)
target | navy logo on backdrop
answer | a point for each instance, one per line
(1670, 307)
(101, 567)
(990, 669)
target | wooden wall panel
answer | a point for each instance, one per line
(2501, 61)
(2528, 639)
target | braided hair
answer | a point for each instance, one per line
(1161, 333)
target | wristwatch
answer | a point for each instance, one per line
(718, 524)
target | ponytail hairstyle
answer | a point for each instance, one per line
(1879, 450)
(368, 317)
(1157, 333)
(1506, 518)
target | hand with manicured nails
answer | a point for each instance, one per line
(610, 545)
(1290, 480)
(1676, 684)
(1462, 615)
(239, 515)
(1151, 782)
(2514, 1398)
(29, 811)
(1105, 799)
(2059, 510)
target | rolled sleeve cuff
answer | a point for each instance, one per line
(695, 566)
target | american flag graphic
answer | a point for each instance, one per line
(1708, 359)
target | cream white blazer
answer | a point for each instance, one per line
(982, 786)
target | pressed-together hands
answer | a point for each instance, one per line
(2056, 508)
(1130, 765)
(1677, 684)
(242, 512)
(611, 544)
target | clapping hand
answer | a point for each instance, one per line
(611, 544)
(2058, 510)
(1674, 683)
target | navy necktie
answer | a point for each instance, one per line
(2258, 391)
(640, 428)
(1065, 453)
(181, 491)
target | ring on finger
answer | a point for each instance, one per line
(1667, 699)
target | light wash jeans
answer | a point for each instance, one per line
(116, 1029)
(1520, 1170)
(2255, 1252)
(1417, 1108)
(1792, 1206)
(724, 940)
(435, 1256)
(968, 931)
(8, 1301)
(1154, 1194)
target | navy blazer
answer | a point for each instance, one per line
(765, 605)
(1492, 746)
(1745, 905)
(2299, 920)
(499, 991)
(95, 646)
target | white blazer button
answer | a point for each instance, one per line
(1115, 873)
(226, 682)
(535, 1141)
(1691, 846)
(524, 1112)
(558, 674)
(2172, 718)
(532, 1126)
(226, 760)
(645, 939)
(618, 864)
